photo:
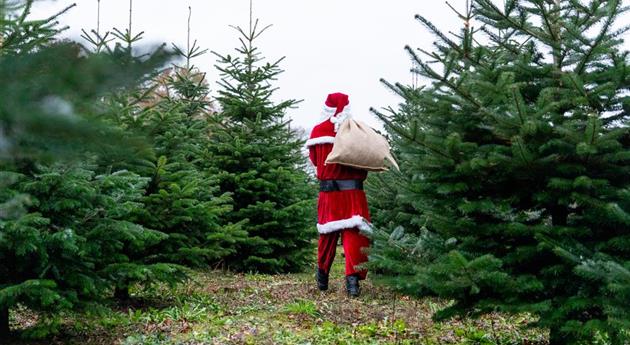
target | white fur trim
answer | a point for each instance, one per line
(320, 140)
(337, 120)
(328, 111)
(336, 225)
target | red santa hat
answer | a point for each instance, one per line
(337, 108)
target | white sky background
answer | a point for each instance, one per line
(330, 45)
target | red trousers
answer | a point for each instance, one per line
(353, 243)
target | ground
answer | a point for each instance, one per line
(224, 308)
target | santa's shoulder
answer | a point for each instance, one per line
(322, 133)
(322, 129)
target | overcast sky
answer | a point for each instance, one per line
(330, 45)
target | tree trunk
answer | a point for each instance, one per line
(122, 294)
(4, 323)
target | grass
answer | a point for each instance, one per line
(226, 308)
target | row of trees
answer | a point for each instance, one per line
(513, 193)
(116, 169)
(514, 190)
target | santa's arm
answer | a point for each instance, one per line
(312, 153)
(310, 144)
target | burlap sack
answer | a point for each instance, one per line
(359, 146)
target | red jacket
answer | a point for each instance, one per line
(336, 210)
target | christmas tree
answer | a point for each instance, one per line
(65, 230)
(257, 158)
(183, 198)
(172, 110)
(516, 159)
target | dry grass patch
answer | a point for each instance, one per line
(225, 308)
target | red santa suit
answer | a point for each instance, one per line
(342, 212)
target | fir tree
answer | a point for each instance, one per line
(516, 158)
(257, 157)
(126, 109)
(63, 228)
(172, 109)
(182, 198)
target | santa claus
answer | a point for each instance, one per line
(342, 207)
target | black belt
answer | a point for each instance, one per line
(337, 185)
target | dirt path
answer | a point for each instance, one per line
(221, 308)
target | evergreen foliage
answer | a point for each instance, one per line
(257, 158)
(515, 195)
(67, 234)
(172, 110)
(185, 137)
(115, 171)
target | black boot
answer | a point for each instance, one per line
(322, 279)
(352, 286)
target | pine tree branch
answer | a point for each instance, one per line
(517, 98)
(446, 40)
(502, 42)
(461, 16)
(509, 20)
(610, 18)
(404, 134)
(444, 80)
(545, 16)
(25, 12)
